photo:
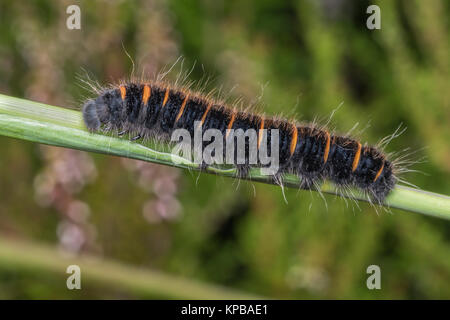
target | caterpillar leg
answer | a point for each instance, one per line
(243, 171)
(136, 138)
(203, 166)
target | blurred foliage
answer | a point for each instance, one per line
(303, 58)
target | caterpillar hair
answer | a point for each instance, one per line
(156, 109)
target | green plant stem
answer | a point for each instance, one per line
(30, 257)
(37, 122)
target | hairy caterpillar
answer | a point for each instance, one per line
(310, 152)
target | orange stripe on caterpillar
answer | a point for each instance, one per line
(123, 92)
(166, 97)
(230, 124)
(356, 159)
(379, 172)
(146, 94)
(327, 147)
(183, 105)
(293, 140)
(205, 114)
(260, 132)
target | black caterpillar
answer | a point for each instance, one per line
(312, 153)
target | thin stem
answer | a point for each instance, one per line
(18, 255)
(37, 122)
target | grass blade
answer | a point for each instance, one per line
(37, 122)
(42, 258)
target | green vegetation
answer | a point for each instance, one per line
(302, 58)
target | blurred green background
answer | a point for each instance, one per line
(301, 58)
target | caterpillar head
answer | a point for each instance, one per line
(95, 114)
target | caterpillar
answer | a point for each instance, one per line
(157, 109)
